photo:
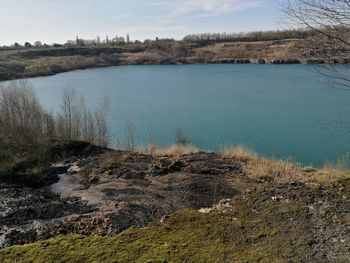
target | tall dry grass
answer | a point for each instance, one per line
(239, 152)
(173, 150)
(258, 167)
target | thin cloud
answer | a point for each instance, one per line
(206, 7)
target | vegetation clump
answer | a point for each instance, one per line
(29, 134)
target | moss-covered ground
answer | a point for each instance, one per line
(186, 236)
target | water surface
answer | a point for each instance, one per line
(280, 110)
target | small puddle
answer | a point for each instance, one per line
(67, 183)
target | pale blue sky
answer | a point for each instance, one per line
(59, 20)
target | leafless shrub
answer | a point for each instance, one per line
(130, 143)
(173, 201)
(21, 113)
(22, 116)
(178, 199)
(76, 122)
(101, 124)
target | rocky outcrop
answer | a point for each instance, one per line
(23, 210)
(230, 61)
(285, 61)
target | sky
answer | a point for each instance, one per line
(56, 21)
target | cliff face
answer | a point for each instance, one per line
(37, 62)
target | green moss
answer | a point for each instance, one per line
(187, 236)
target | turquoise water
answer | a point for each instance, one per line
(279, 110)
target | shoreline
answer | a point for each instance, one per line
(177, 63)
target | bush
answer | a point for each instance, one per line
(28, 132)
(22, 117)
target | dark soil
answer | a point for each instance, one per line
(118, 190)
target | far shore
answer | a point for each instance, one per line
(48, 61)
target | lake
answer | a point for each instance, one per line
(277, 110)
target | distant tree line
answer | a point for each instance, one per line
(249, 36)
(194, 38)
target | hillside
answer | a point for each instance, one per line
(262, 210)
(31, 62)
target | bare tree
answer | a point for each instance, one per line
(23, 117)
(330, 22)
(101, 123)
(66, 107)
(76, 122)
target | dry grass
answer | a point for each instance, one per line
(173, 150)
(251, 50)
(147, 57)
(118, 157)
(280, 171)
(239, 152)
(285, 171)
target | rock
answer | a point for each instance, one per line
(231, 61)
(205, 210)
(309, 170)
(26, 209)
(287, 61)
(59, 168)
(93, 179)
(74, 169)
(164, 218)
(316, 61)
(133, 175)
(176, 166)
(224, 206)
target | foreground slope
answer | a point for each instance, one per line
(102, 208)
(287, 222)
